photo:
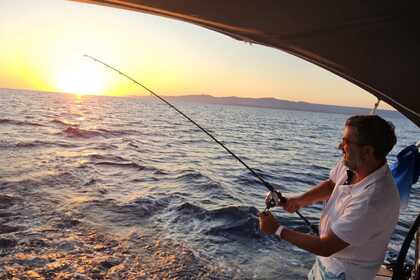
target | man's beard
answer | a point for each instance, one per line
(352, 162)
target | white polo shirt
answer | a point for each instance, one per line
(364, 215)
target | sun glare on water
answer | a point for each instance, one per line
(81, 80)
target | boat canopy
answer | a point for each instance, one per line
(373, 44)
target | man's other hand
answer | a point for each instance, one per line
(268, 224)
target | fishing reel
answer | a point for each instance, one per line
(273, 199)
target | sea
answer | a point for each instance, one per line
(131, 167)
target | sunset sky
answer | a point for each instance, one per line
(43, 43)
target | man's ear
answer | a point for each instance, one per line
(369, 151)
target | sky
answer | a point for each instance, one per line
(43, 43)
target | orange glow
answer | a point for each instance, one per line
(43, 43)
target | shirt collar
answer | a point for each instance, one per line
(372, 177)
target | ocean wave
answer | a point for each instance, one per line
(160, 172)
(38, 143)
(119, 162)
(232, 213)
(207, 187)
(190, 174)
(131, 144)
(197, 181)
(318, 167)
(102, 146)
(19, 123)
(90, 182)
(6, 201)
(39, 182)
(64, 123)
(276, 139)
(144, 206)
(125, 214)
(4, 229)
(248, 178)
(246, 227)
(187, 208)
(302, 180)
(192, 141)
(144, 179)
(76, 132)
(278, 148)
(35, 144)
(228, 222)
(95, 157)
(115, 132)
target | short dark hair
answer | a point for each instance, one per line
(374, 131)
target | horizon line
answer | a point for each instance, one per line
(191, 94)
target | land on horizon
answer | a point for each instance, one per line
(262, 102)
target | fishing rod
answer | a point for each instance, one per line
(276, 196)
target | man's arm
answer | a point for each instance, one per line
(319, 193)
(322, 246)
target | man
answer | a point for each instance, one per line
(361, 210)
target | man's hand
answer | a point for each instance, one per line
(292, 204)
(268, 224)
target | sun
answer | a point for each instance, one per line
(81, 79)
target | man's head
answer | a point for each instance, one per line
(366, 139)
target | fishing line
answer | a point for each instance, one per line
(265, 183)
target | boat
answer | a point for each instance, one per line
(372, 44)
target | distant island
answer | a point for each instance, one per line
(268, 102)
(274, 103)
